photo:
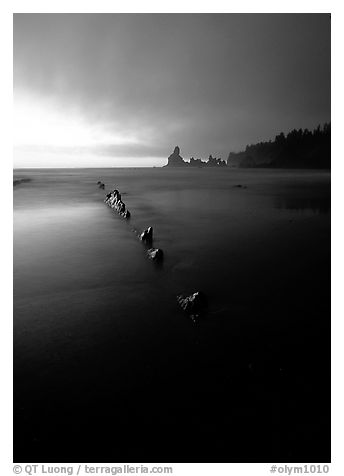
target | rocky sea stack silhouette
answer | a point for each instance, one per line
(175, 160)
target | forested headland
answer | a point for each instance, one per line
(298, 149)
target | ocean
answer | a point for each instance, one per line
(107, 367)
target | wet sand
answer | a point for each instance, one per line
(107, 367)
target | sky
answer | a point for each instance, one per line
(102, 90)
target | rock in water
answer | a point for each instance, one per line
(194, 304)
(155, 254)
(175, 160)
(147, 235)
(120, 207)
(113, 199)
(102, 186)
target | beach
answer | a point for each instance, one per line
(106, 364)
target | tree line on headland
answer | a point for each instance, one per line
(298, 149)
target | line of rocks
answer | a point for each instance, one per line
(155, 254)
(195, 304)
(114, 200)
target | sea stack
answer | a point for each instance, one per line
(175, 160)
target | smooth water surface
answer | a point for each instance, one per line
(106, 365)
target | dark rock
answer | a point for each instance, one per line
(19, 181)
(113, 199)
(155, 254)
(175, 160)
(194, 304)
(102, 186)
(147, 235)
(120, 206)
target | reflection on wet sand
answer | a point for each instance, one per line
(108, 353)
(317, 205)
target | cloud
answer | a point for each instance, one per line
(207, 82)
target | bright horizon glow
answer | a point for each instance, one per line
(39, 124)
(51, 137)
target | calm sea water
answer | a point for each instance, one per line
(107, 367)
